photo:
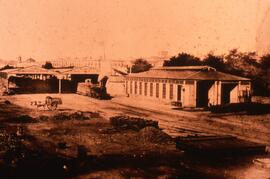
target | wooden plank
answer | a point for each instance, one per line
(217, 145)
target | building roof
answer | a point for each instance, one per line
(120, 71)
(81, 70)
(55, 71)
(28, 70)
(9, 70)
(189, 73)
(185, 68)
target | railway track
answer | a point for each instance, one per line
(175, 123)
(201, 125)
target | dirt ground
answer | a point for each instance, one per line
(78, 141)
(174, 122)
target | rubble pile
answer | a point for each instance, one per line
(76, 116)
(154, 135)
(7, 102)
(43, 118)
(135, 123)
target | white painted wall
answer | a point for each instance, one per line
(189, 95)
(234, 94)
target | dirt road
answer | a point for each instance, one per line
(55, 138)
(174, 122)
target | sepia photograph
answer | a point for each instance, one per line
(135, 89)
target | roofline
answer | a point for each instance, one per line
(185, 78)
(195, 69)
(184, 68)
(36, 73)
(77, 73)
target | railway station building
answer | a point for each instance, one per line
(188, 86)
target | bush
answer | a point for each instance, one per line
(47, 65)
(183, 59)
(140, 65)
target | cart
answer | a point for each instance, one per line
(50, 102)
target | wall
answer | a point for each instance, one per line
(160, 96)
(214, 93)
(244, 87)
(238, 90)
(116, 86)
(188, 94)
(189, 91)
(234, 95)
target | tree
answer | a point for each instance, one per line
(265, 62)
(140, 65)
(214, 61)
(183, 59)
(243, 64)
(265, 73)
(47, 65)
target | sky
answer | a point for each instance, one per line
(47, 29)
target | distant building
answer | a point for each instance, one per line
(35, 79)
(88, 62)
(75, 62)
(27, 63)
(157, 61)
(190, 86)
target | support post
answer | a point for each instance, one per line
(195, 94)
(60, 83)
(8, 84)
(183, 93)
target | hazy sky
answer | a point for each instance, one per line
(45, 29)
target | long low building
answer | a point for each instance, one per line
(35, 79)
(189, 86)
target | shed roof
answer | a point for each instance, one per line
(55, 71)
(190, 73)
(81, 70)
(185, 68)
(28, 70)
